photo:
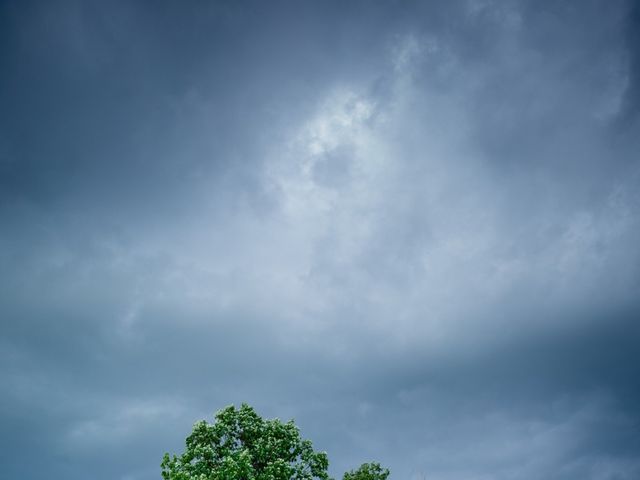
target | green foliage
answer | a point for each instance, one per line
(240, 445)
(367, 471)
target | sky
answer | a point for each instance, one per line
(412, 227)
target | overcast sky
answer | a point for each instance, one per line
(413, 227)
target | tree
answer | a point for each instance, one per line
(240, 445)
(367, 471)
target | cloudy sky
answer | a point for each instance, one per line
(413, 227)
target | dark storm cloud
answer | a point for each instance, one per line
(632, 27)
(411, 226)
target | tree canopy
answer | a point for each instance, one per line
(367, 471)
(241, 445)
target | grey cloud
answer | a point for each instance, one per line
(411, 226)
(630, 110)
